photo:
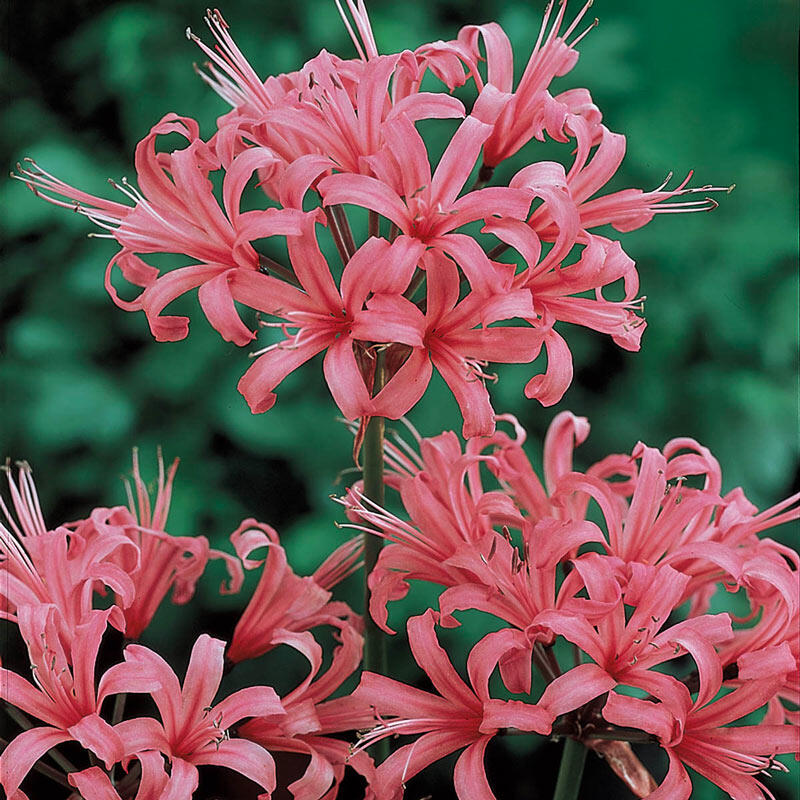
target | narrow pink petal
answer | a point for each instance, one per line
(95, 734)
(519, 235)
(502, 201)
(361, 190)
(411, 759)
(317, 778)
(646, 500)
(252, 701)
(217, 302)
(242, 756)
(499, 55)
(268, 294)
(503, 345)
(23, 752)
(312, 269)
(469, 391)
(406, 387)
(143, 733)
(16, 691)
(156, 297)
(549, 388)
(270, 369)
(576, 687)
(457, 161)
(239, 172)
(429, 654)
(486, 654)
(390, 318)
(644, 715)
(469, 776)
(299, 176)
(183, 781)
(203, 677)
(427, 105)
(93, 784)
(516, 714)
(564, 434)
(345, 380)
(390, 697)
(676, 785)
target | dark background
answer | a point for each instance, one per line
(704, 85)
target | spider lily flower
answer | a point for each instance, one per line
(459, 716)
(627, 649)
(730, 756)
(163, 562)
(426, 207)
(530, 108)
(60, 567)
(330, 106)
(333, 319)
(64, 695)
(175, 211)
(311, 717)
(453, 343)
(283, 601)
(625, 210)
(194, 730)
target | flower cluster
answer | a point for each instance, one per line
(315, 216)
(52, 584)
(527, 553)
(417, 289)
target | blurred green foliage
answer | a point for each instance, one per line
(704, 85)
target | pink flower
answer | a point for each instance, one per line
(61, 567)
(311, 717)
(625, 646)
(331, 319)
(64, 697)
(282, 601)
(176, 212)
(193, 730)
(452, 342)
(458, 717)
(426, 207)
(730, 757)
(530, 109)
(163, 562)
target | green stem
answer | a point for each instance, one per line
(374, 639)
(571, 770)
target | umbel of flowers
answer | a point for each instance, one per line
(630, 589)
(418, 292)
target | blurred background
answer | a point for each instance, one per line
(707, 85)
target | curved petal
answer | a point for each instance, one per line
(549, 388)
(270, 369)
(469, 776)
(345, 380)
(432, 658)
(23, 752)
(203, 677)
(361, 190)
(576, 687)
(406, 387)
(242, 756)
(217, 302)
